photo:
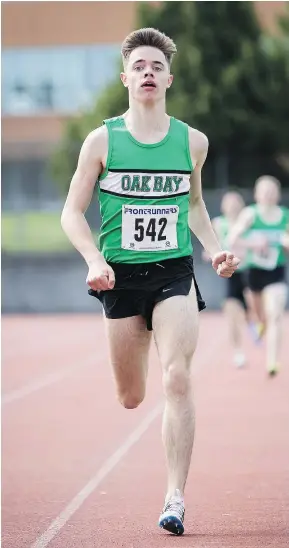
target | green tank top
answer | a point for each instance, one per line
(275, 255)
(144, 196)
(223, 235)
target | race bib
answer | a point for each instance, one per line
(267, 260)
(151, 228)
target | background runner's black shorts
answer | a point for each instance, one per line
(258, 278)
(236, 286)
(139, 287)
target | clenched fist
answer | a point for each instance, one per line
(225, 263)
(100, 275)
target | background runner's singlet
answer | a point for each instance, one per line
(144, 196)
(275, 255)
(223, 225)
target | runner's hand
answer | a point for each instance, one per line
(100, 276)
(225, 264)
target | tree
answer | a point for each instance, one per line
(231, 82)
(64, 160)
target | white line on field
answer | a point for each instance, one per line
(52, 378)
(56, 526)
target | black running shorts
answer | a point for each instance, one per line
(139, 287)
(258, 278)
(236, 286)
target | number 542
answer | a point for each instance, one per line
(154, 229)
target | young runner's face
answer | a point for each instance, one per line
(267, 192)
(232, 204)
(147, 74)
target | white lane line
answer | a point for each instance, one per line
(56, 526)
(74, 505)
(29, 388)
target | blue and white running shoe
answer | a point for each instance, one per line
(172, 516)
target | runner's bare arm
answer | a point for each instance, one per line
(285, 239)
(73, 222)
(216, 227)
(243, 223)
(199, 220)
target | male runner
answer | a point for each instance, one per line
(235, 306)
(148, 168)
(267, 225)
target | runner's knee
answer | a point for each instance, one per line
(130, 400)
(274, 308)
(274, 315)
(176, 380)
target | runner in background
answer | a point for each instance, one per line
(235, 306)
(266, 225)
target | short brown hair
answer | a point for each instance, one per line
(148, 37)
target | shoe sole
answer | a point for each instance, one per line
(273, 372)
(172, 524)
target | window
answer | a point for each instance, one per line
(55, 79)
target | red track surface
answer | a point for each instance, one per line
(61, 423)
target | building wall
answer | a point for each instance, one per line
(268, 13)
(64, 23)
